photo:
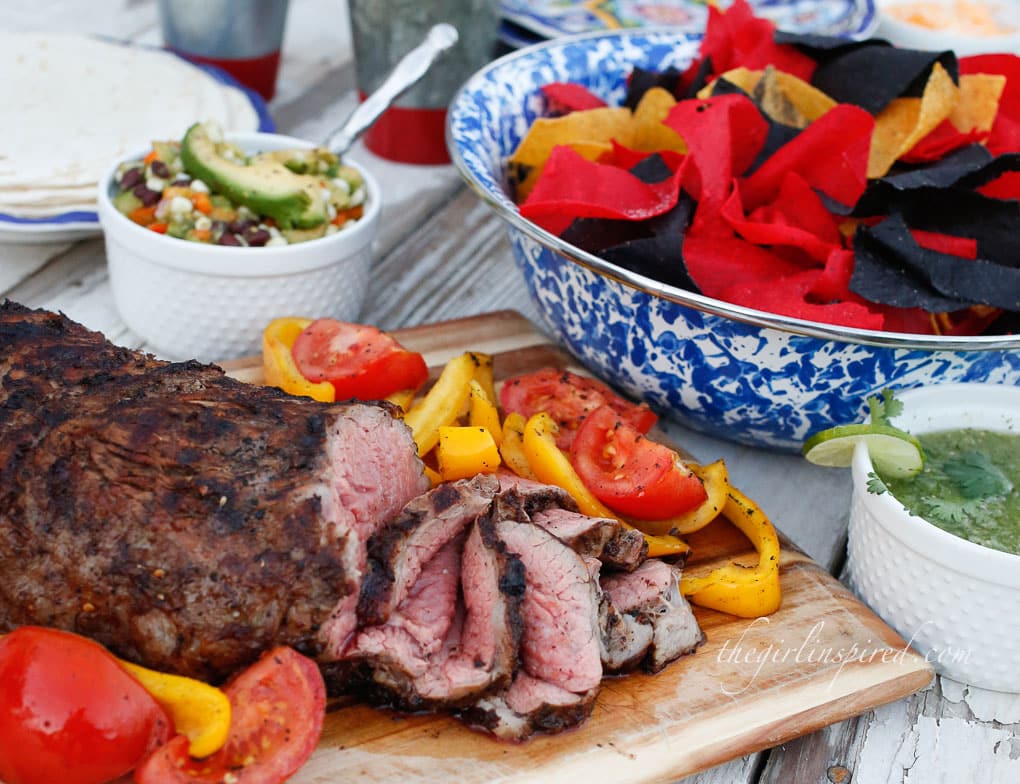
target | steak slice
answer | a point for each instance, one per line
(560, 664)
(184, 519)
(401, 550)
(645, 620)
(436, 651)
(530, 705)
(600, 537)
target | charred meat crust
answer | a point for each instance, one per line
(181, 518)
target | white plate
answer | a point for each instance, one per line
(83, 222)
(553, 18)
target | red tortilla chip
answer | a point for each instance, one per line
(831, 155)
(627, 158)
(724, 135)
(773, 227)
(714, 262)
(964, 247)
(566, 97)
(942, 141)
(789, 297)
(735, 37)
(575, 187)
(1005, 186)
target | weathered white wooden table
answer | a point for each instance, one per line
(442, 254)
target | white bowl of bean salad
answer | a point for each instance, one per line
(198, 273)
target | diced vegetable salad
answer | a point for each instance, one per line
(158, 193)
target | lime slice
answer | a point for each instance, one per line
(894, 453)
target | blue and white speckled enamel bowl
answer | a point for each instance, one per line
(737, 373)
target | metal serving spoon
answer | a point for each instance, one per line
(414, 65)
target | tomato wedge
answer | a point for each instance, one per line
(278, 705)
(629, 473)
(359, 360)
(568, 398)
(69, 712)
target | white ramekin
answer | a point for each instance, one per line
(956, 602)
(209, 302)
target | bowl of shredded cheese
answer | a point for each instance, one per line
(965, 26)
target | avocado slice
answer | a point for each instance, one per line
(265, 186)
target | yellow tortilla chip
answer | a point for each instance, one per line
(808, 100)
(905, 121)
(648, 134)
(978, 102)
(589, 132)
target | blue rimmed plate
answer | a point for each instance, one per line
(82, 221)
(554, 18)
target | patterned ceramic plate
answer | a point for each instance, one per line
(552, 18)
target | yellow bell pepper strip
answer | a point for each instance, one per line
(716, 481)
(744, 591)
(402, 399)
(278, 365)
(552, 466)
(200, 711)
(511, 448)
(483, 375)
(463, 452)
(443, 403)
(482, 411)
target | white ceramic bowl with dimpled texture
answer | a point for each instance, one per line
(189, 300)
(955, 601)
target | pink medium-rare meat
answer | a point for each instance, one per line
(400, 551)
(185, 520)
(560, 609)
(438, 649)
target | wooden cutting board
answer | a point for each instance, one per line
(821, 658)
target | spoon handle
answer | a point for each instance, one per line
(407, 73)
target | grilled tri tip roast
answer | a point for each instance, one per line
(189, 521)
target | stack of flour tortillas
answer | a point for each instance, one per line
(73, 104)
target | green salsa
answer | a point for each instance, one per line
(970, 486)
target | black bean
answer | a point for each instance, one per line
(160, 169)
(219, 227)
(241, 226)
(258, 238)
(148, 197)
(130, 178)
(229, 239)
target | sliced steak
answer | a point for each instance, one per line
(645, 620)
(560, 666)
(530, 705)
(436, 651)
(601, 537)
(561, 600)
(184, 519)
(400, 551)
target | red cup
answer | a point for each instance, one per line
(409, 135)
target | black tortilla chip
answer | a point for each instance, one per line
(650, 247)
(869, 73)
(660, 256)
(892, 269)
(880, 196)
(642, 80)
